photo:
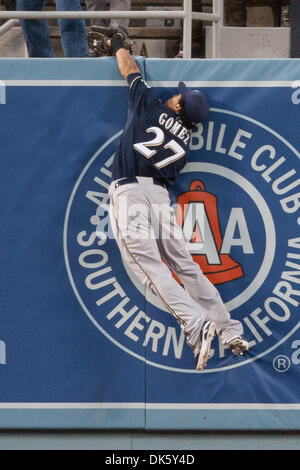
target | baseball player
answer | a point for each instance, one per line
(154, 147)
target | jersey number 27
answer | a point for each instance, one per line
(146, 148)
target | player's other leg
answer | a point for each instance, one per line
(173, 249)
(202, 347)
(238, 345)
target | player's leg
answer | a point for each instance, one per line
(131, 223)
(173, 250)
(73, 32)
(129, 260)
(36, 32)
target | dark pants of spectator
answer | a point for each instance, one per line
(295, 28)
(36, 32)
(235, 12)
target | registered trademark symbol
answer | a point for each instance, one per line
(281, 363)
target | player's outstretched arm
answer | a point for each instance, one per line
(126, 63)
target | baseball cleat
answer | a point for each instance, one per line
(202, 347)
(238, 345)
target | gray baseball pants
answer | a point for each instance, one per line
(98, 5)
(145, 229)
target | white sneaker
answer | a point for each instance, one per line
(202, 347)
(238, 345)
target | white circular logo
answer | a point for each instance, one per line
(249, 199)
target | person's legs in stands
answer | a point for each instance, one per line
(73, 32)
(120, 5)
(96, 5)
(276, 7)
(36, 32)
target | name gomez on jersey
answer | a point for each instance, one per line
(154, 142)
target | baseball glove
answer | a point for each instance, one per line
(97, 38)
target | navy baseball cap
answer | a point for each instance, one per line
(195, 103)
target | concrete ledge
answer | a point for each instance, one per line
(250, 43)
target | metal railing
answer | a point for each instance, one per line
(186, 14)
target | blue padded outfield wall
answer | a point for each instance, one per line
(80, 344)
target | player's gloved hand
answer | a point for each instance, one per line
(117, 42)
(104, 41)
